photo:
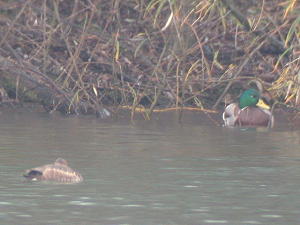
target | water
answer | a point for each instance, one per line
(148, 173)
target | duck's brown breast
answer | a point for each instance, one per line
(254, 116)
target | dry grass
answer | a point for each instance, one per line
(149, 54)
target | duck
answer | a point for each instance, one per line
(250, 111)
(59, 171)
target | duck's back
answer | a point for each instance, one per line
(60, 173)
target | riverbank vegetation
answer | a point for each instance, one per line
(95, 56)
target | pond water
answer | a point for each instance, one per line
(155, 172)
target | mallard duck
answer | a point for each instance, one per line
(251, 111)
(59, 171)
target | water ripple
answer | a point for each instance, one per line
(81, 203)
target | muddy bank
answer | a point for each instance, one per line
(79, 57)
(284, 118)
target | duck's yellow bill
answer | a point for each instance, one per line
(263, 105)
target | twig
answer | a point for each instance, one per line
(248, 57)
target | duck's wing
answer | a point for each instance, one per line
(254, 116)
(62, 174)
(230, 115)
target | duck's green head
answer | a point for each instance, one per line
(249, 97)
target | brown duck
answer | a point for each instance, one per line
(59, 171)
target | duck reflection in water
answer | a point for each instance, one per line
(59, 171)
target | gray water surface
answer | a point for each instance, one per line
(148, 173)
